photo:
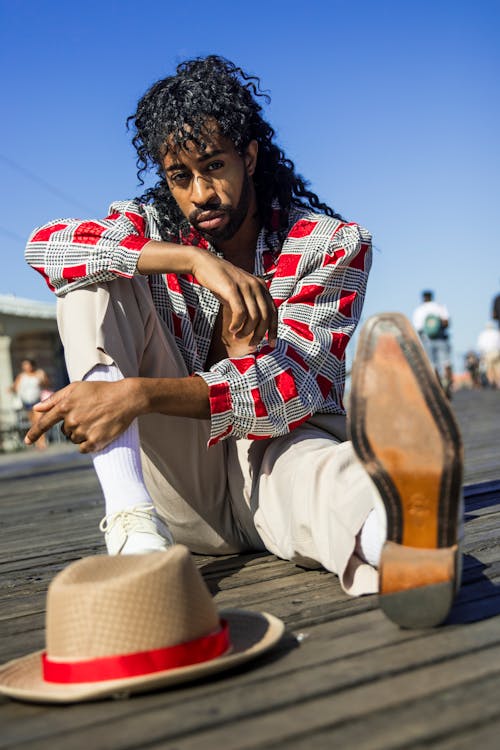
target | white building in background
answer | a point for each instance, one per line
(28, 329)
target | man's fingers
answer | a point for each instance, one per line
(252, 309)
(86, 447)
(51, 411)
(253, 317)
(44, 406)
(268, 319)
(272, 333)
(42, 425)
(265, 306)
(260, 329)
(272, 330)
(238, 312)
(54, 400)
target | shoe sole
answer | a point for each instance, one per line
(405, 434)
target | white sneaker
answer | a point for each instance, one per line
(135, 531)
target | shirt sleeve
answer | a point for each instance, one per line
(319, 293)
(444, 314)
(73, 253)
(418, 319)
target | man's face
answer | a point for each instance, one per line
(213, 187)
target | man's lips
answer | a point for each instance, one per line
(211, 219)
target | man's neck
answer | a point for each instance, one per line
(240, 249)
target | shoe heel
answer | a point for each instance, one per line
(418, 585)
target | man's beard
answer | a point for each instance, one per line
(237, 215)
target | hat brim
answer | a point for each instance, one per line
(251, 633)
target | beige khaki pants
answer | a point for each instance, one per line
(302, 496)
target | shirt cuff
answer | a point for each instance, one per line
(126, 255)
(221, 406)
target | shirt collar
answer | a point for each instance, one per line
(267, 241)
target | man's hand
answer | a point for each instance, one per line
(251, 308)
(93, 413)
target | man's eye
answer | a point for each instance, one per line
(215, 165)
(179, 177)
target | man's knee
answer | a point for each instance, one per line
(103, 324)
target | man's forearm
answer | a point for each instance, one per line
(177, 397)
(94, 413)
(165, 257)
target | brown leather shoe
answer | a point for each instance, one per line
(405, 434)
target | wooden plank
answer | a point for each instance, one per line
(332, 663)
(355, 679)
(424, 723)
(246, 711)
(477, 735)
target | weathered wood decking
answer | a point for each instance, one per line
(343, 676)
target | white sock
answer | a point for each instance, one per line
(371, 539)
(118, 466)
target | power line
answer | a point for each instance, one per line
(14, 236)
(43, 183)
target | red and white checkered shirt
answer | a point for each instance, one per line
(317, 279)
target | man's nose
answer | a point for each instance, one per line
(202, 190)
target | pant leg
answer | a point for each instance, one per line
(302, 496)
(117, 323)
(442, 355)
(310, 498)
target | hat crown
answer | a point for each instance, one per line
(104, 606)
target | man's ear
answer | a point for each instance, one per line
(250, 157)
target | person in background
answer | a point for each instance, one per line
(431, 319)
(488, 345)
(30, 385)
(472, 367)
(495, 312)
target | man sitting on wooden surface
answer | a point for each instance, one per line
(205, 327)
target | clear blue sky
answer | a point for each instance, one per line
(390, 109)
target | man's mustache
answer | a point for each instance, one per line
(219, 207)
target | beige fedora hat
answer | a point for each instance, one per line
(126, 624)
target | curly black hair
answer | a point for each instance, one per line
(177, 108)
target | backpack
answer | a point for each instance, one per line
(432, 326)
